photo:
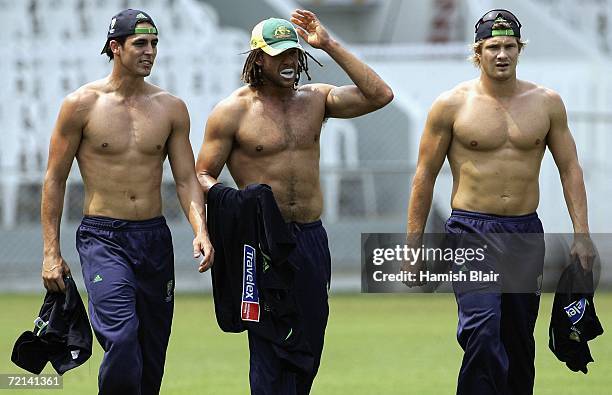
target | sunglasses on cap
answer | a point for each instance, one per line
(497, 13)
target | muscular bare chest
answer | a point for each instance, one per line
(268, 128)
(486, 124)
(118, 127)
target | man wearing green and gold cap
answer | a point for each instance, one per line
(268, 132)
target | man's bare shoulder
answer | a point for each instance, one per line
(226, 116)
(550, 96)
(547, 97)
(80, 102)
(88, 93)
(449, 102)
(164, 97)
(242, 95)
(237, 103)
(460, 92)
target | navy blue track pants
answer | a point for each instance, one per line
(495, 327)
(128, 269)
(312, 258)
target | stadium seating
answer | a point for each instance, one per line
(592, 18)
(54, 47)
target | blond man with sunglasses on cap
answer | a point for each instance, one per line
(494, 131)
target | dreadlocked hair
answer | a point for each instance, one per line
(253, 75)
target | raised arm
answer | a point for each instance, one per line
(368, 94)
(187, 187)
(563, 149)
(221, 127)
(64, 144)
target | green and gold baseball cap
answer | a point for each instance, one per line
(275, 36)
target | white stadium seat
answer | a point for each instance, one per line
(42, 65)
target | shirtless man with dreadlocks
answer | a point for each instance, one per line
(267, 132)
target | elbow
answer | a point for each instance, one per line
(388, 95)
(573, 171)
(384, 97)
(203, 175)
(181, 186)
(53, 180)
(199, 168)
(423, 173)
(203, 170)
(424, 178)
(206, 180)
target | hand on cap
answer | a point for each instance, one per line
(310, 29)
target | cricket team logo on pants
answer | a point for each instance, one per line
(169, 291)
(249, 308)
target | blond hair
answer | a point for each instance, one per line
(477, 46)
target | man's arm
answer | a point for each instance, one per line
(187, 188)
(368, 94)
(221, 127)
(434, 145)
(563, 149)
(64, 144)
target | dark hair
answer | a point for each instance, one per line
(120, 41)
(252, 74)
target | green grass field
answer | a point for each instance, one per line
(375, 344)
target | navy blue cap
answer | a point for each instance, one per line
(484, 26)
(124, 24)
